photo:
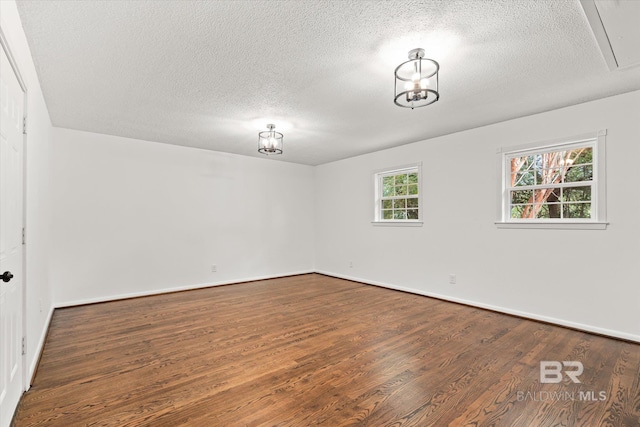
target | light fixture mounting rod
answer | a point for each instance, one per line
(416, 53)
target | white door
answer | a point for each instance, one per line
(11, 119)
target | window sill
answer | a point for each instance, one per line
(397, 223)
(555, 225)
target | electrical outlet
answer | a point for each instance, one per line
(452, 279)
(214, 268)
(350, 264)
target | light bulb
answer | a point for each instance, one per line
(408, 85)
(424, 83)
(415, 77)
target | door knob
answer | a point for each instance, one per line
(6, 276)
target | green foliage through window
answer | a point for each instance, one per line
(398, 195)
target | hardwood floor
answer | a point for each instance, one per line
(314, 350)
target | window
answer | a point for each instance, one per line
(554, 184)
(398, 196)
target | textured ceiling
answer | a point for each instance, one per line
(211, 74)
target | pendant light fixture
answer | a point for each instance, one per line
(270, 142)
(416, 82)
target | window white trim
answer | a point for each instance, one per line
(377, 176)
(597, 140)
(587, 225)
(392, 223)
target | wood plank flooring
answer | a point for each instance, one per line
(314, 350)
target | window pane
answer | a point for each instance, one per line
(521, 196)
(581, 156)
(387, 214)
(547, 210)
(387, 204)
(576, 194)
(521, 164)
(549, 176)
(555, 210)
(546, 195)
(412, 214)
(523, 178)
(401, 190)
(387, 190)
(412, 202)
(542, 161)
(401, 214)
(521, 211)
(413, 189)
(537, 163)
(521, 171)
(579, 173)
(401, 179)
(576, 210)
(399, 203)
(413, 178)
(553, 160)
(542, 211)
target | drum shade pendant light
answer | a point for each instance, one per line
(416, 82)
(270, 141)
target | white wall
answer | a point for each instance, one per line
(586, 279)
(38, 304)
(134, 217)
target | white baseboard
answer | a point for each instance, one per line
(36, 355)
(533, 316)
(108, 298)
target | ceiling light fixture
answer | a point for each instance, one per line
(270, 141)
(416, 82)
